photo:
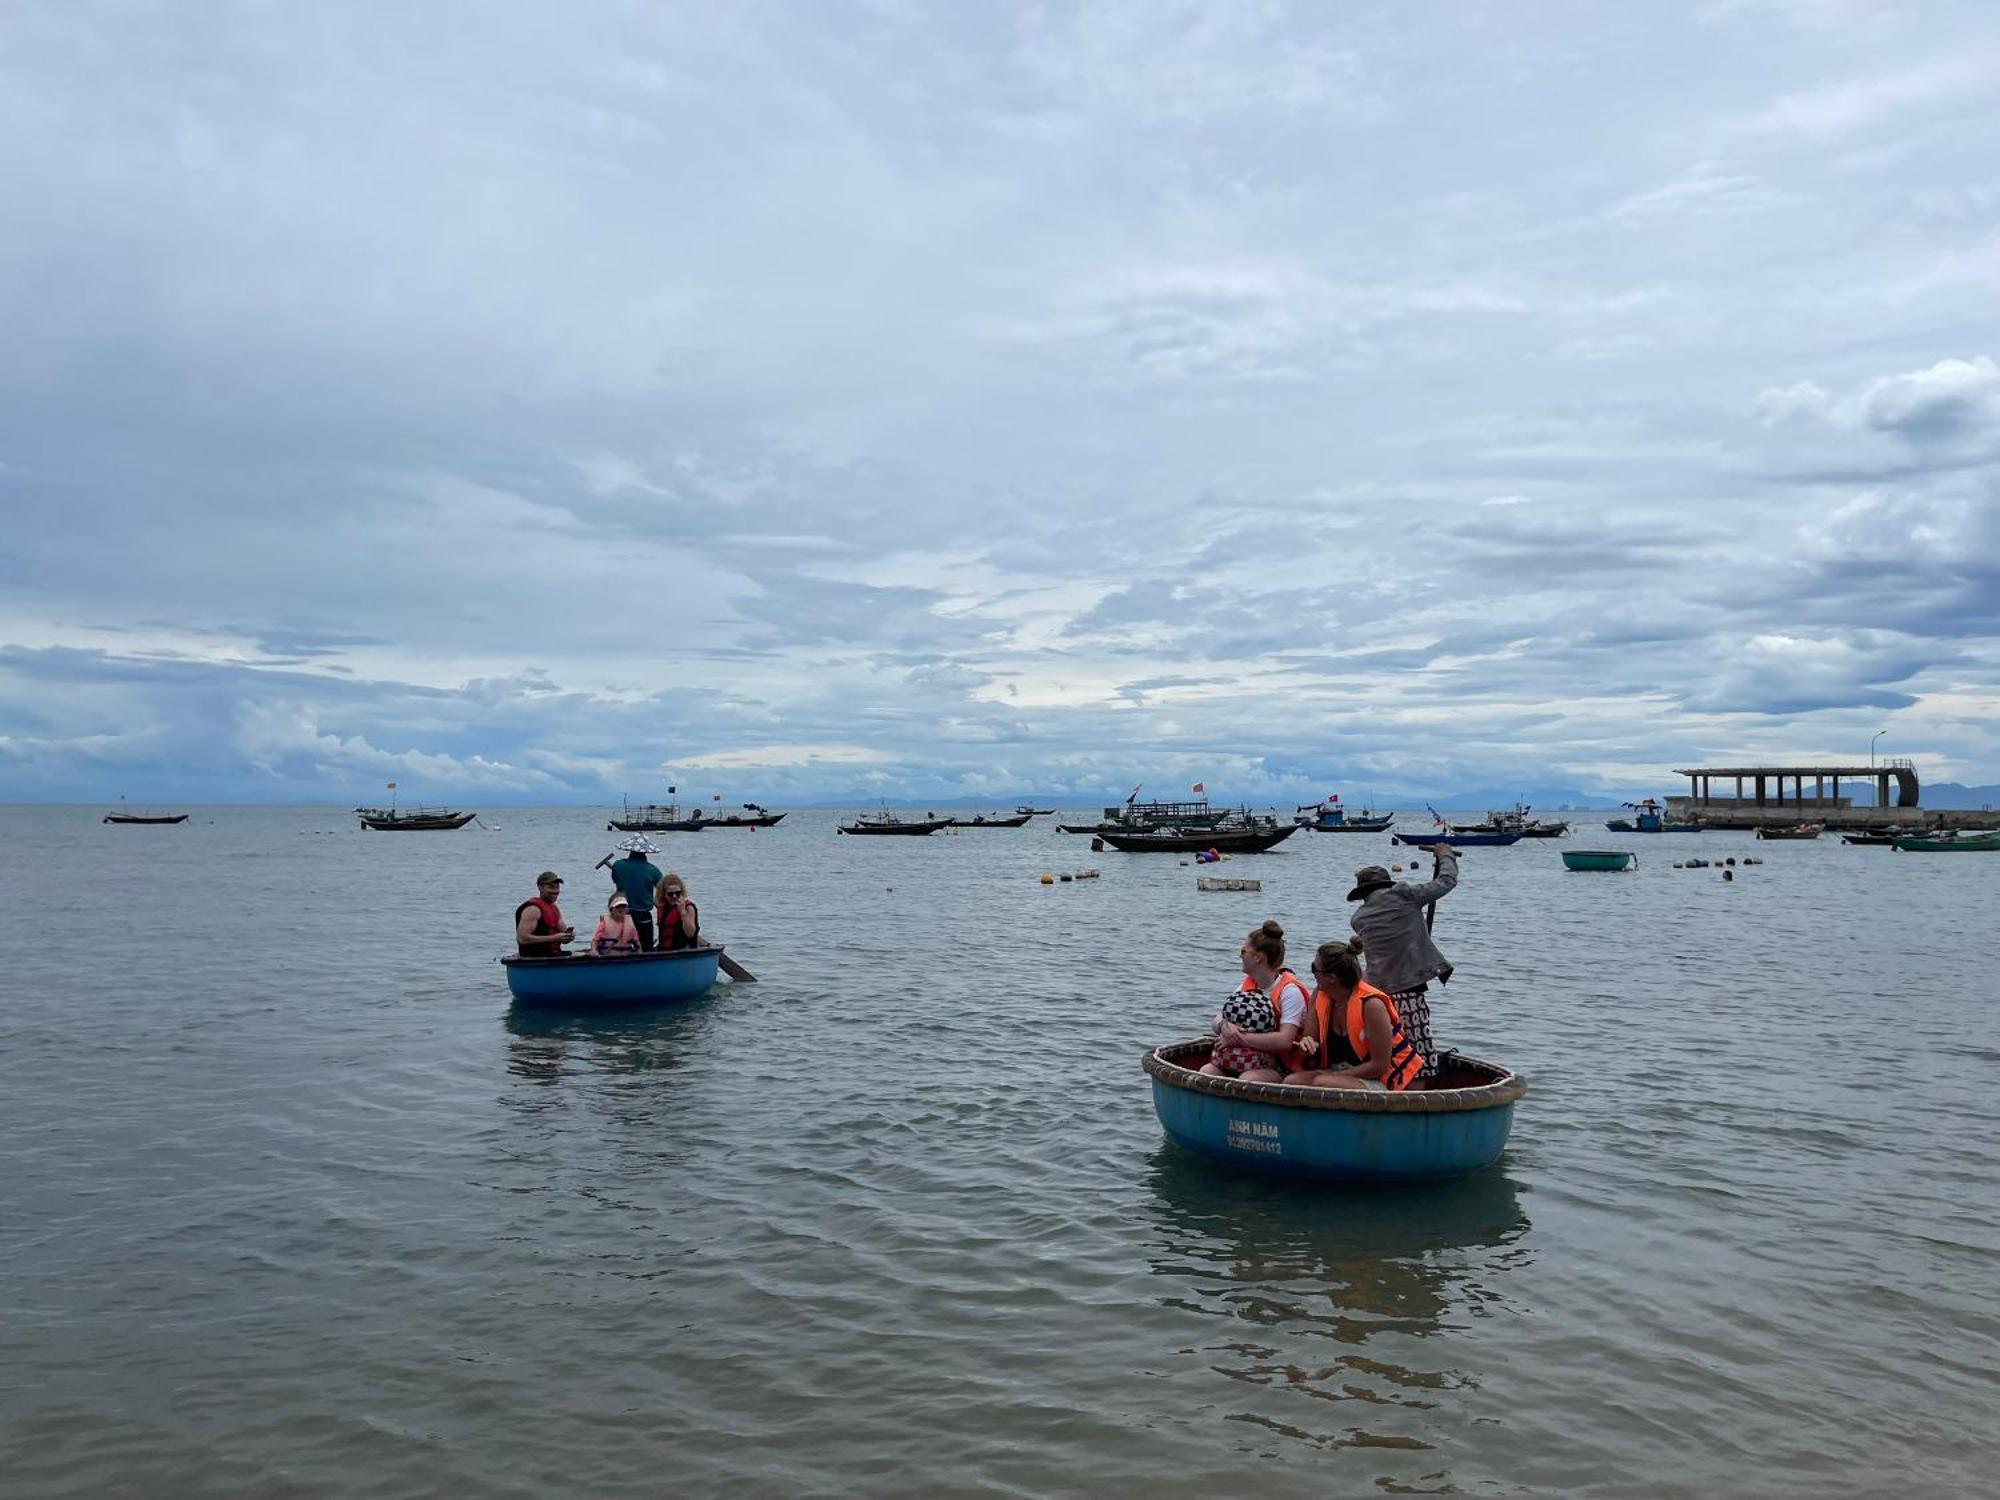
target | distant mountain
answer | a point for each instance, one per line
(1952, 794)
(1542, 799)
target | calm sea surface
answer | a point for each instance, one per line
(293, 1203)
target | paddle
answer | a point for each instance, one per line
(735, 970)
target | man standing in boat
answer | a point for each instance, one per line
(1402, 959)
(637, 878)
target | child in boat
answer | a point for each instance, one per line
(1254, 1039)
(616, 931)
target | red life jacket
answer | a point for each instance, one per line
(548, 920)
(671, 936)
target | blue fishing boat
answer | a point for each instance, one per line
(1457, 1124)
(1330, 817)
(1458, 840)
(617, 979)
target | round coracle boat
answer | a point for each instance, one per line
(615, 979)
(1456, 1123)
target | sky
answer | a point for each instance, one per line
(554, 402)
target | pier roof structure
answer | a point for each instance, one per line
(1702, 778)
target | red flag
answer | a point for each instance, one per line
(1334, 798)
(1197, 786)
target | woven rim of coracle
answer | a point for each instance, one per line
(1167, 1065)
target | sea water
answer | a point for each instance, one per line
(296, 1203)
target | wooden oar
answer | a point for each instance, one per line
(735, 970)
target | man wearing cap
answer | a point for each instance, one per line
(636, 878)
(539, 928)
(1402, 959)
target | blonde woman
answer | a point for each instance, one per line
(680, 921)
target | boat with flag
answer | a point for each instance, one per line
(1650, 818)
(886, 823)
(657, 817)
(1331, 817)
(394, 819)
(1519, 820)
(1134, 816)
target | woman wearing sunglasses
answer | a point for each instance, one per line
(680, 921)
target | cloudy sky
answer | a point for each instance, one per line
(544, 402)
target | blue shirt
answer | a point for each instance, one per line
(635, 876)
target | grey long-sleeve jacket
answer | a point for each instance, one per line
(1399, 952)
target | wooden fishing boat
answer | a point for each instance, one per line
(125, 815)
(1459, 840)
(1949, 843)
(617, 979)
(753, 816)
(1034, 812)
(657, 817)
(980, 820)
(1883, 840)
(412, 820)
(1650, 819)
(1515, 820)
(1134, 816)
(1598, 859)
(1248, 840)
(1789, 830)
(1330, 817)
(889, 823)
(1455, 1124)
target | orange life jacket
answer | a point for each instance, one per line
(1282, 1060)
(1405, 1062)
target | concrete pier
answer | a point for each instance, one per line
(1778, 795)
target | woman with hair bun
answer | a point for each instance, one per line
(1353, 1029)
(1259, 1025)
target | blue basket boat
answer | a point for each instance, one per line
(622, 979)
(1458, 1124)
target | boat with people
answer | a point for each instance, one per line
(412, 819)
(1330, 817)
(126, 817)
(1649, 817)
(1599, 859)
(1790, 830)
(1248, 837)
(998, 820)
(886, 822)
(1950, 841)
(614, 979)
(1454, 1123)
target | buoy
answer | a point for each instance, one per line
(1395, 869)
(1728, 874)
(1730, 861)
(1068, 878)
(1678, 865)
(1748, 860)
(1048, 880)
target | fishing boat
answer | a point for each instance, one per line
(412, 819)
(1650, 819)
(1789, 830)
(614, 979)
(1881, 839)
(1034, 812)
(1516, 820)
(1949, 842)
(1330, 817)
(1458, 840)
(1134, 816)
(1599, 859)
(126, 816)
(980, 820)
(1456, 1123)
(1248, 839)
(886, 822)
(657, 817)
(752, 816)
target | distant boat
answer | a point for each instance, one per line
(1246, 840)
(1330, 817)
(1034, 812)
(980, 820)
(126, 815)
(886, 822)
(1884, 839)
(1134, 816)
(1949, 842)
(1790, 830)
(759, 817)
(1458, 840)
(412, 820)
(1514, 821)
(1650, 819)
(657, 817)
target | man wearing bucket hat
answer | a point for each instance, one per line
(1402, 959)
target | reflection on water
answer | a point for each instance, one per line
(550, 1042)
(1348, 1295)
